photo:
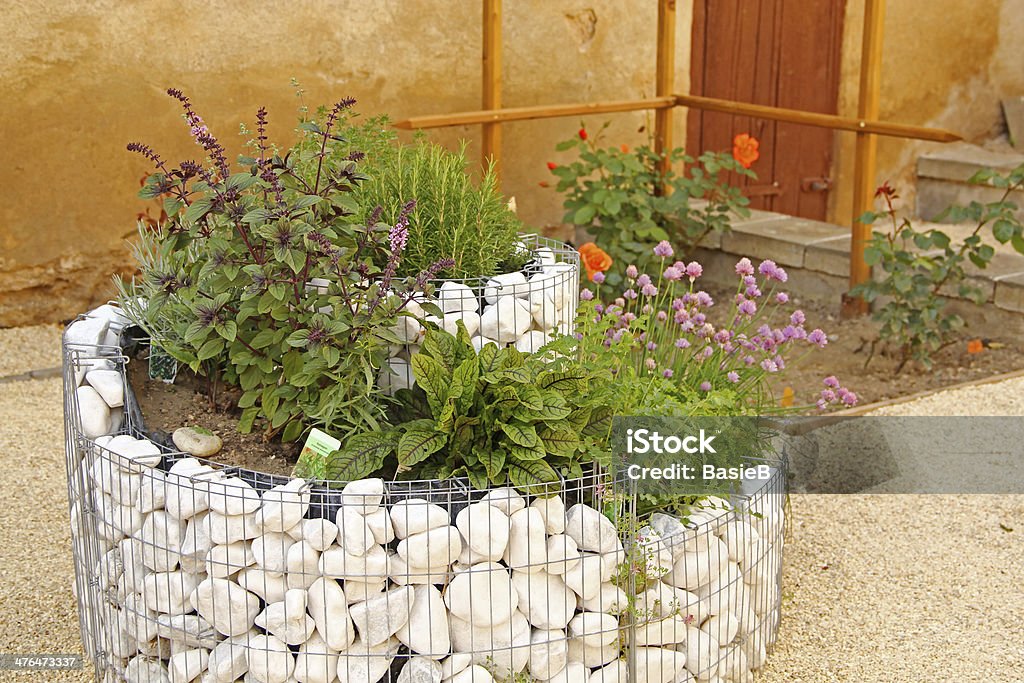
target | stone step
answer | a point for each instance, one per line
(942, 177)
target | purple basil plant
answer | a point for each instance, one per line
(665, 322)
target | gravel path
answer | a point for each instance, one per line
(876, 588)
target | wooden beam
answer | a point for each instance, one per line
(665, 82)
(491, 148)
(537, 112)
(865, 154)
(858, 125)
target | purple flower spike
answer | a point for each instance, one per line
(744, 267)
(664, 249)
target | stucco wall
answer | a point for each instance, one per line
(945, 64)
(80, 80)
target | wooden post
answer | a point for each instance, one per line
(665, 80)
(866, 150)
(491, 151)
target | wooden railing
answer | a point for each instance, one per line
(865, 125)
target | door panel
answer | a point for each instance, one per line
(781, 53)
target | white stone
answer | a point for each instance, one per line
(408, 329)
(365, 664)
(455, 296)
(335, 562)
(117, 521)
(140, 621)
(364, 495)
(544, 311)
(594, 629)
(224, 560)
(287, 619)
(586, 578)
(394, 375)
(485, 529)
(93, 412)
(232, 528)
(87, 334)
(145, 670)
(319, 533)
(506, 286)
(326, 603)
(722, 627)
(481, 342)
(552, 511)
(482, 595)
(168, 592)
(549, 653)
(186, 630)
(302, 564)
(380, 617)
(121, 486)
(591, 530)
(470, 319)
(733, 666)
(472, 674)
(270, 586)
(454, 664)
(506, 320)
(354, 534)
(574, 672)
(283, 506)
(270, 551)
(427, 631)
(658, 665)
(690, 571)
(740, 540)
(755, 651)
(186, 665)
(555, 286)
(503, 647)
(196, 441)
(532, 340)
(270, 660)
(361, 591)
(185, 495)
(527, 546)
(316, 662)
(233, 496)
(226, 605)
(666, 631)
(136, 454)
(701, 653)
(435, 548)
(151, 491)
(402, 574)
(229, 660)
(610, 599)
(420, 670)
(162, 536)
(416, 515)
(616, 672)
(109, 385)
(562, 554)
(545, 599)
(662, 600)
(196, 543)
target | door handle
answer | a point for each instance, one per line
(816, 184)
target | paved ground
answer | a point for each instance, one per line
(876, 588)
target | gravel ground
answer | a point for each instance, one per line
(876, 588)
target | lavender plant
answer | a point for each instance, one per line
(264, 277)
(660, 328)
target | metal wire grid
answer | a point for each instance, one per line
(222, 571)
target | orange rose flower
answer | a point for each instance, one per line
(595, 259)
(744, 149)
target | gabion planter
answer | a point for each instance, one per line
(187, 570)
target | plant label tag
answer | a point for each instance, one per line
(318, 446)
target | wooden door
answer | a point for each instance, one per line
(782, 53)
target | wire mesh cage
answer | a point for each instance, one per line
(525, 308)
(188, 570)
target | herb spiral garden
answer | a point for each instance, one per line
(455, 514)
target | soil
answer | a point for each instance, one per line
(187, 402)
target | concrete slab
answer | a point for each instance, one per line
(783, 239)
(1013, 112)
(830, 256)
(960, 160)
(1009, 293)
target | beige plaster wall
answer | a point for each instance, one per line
(946, 64)
(79, 80)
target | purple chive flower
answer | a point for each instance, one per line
(651, 364)
(628, 317)
(631, 272)
(672, 274)
(782, 298)
(748, 360)
(694, 270)
(630, 294)
(682, 343)
(749, 280)
(586, 295)
(821, 404)
(768, 365)
(831, 382)
(617, 337)
(687, 326)
(722, 336)
(699, 319)
(680, 317)
(706, 330)
(753, 291)
(704, 300)
(772, 271)
(649, 290)
(733, 377)
(705, 386)
(828, 396)
(651, 346)
(797, 318)
(789, 332)
(850, 398)
(748, 307)
(599, 309)
(744, 267)
(780, 362)
(818, 338)
(620, 302)
(644, 279)
(667, 374)
(662, 316)
(705, 353)
(598, 278)
(664, 249)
